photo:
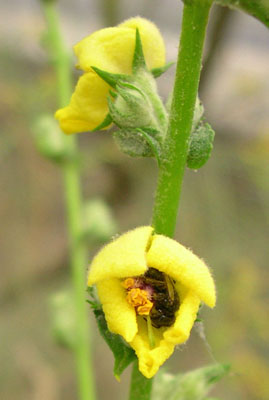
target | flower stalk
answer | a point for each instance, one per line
(194, 23)
(140, 388)
(78, 249)
(172, 166)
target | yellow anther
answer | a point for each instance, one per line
(138, 298)
(128, 283)
(145, 309)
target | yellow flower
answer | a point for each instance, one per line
(112, 50)
(121, 267)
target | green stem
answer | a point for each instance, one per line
(140, 388)
(78, 249)
(194, 23)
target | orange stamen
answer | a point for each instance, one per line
(138, 298)
(128, 283)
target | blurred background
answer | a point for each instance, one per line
(223, 214)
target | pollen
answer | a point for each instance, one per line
(129, 283)
(138, 298)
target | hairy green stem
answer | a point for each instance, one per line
(194, 23)
(140, 388)
(78, 250)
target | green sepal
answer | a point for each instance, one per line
(156, 72)
(114, 113)
(108, 77)
(200, 146)
(113, 94)
(106, 122)
(126, 95)
(138, 142)
(153, 143)
(193, 385)
(138, 59)
(257, 8)
(124, 355)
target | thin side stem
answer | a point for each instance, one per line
(194, 23)
(140, 388)
(78, 250)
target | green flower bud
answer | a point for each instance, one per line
(98, 222)
(133, 143)
(132, 108)
(136, 108)
(200, 147)
(49, 139)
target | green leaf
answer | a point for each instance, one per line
(123, 354)
(156, 72)
(138, 59)
(193, 385)
(200, 147)
(257, 8)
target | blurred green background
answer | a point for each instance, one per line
(223, 215)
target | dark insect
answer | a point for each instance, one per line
(165, 298)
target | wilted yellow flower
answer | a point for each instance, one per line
(158, 270)
(112, 50)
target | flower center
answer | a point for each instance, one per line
(153, 294)
(138, 298)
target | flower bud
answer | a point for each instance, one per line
(49, 139)
(133, 143)
(132, 108)
(200, 147)
(98, 222)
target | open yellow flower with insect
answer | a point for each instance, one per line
(150, 288)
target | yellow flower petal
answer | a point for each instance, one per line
(166, 339)
(149, 359)
(185, 316)
(181, 264)
(112, 49)
(88, 105)
(152, 41)
(124, 257)
(120, 316)
(109, 49)
(131, 255)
